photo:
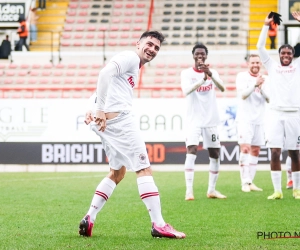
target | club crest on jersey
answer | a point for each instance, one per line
(142, 158)
(194, 80)
(130, 81)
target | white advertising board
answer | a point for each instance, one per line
(62, 120)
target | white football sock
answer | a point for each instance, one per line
(244, 168)
(288, 167)
(253, 160)
(149, 194)
(276, 180)
(103, 192)
(189, 170)
(214, 165)
(296, 180)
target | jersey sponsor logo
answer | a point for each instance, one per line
(287, 71)
(205, 88)
(131, 82)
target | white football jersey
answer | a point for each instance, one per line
(120, 92)
(284, 80)
(251, 109)
(202, 108)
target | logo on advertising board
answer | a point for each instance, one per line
(20, 121)
(11, 12)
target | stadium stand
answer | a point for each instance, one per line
(108, 26)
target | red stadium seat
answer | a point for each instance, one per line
(158, 80)
(77, 44)
(118, 5)
(8, 81)
(90, 36)
(25, 66)
(84, 6)
(124, 35)
(123, 43)
(70, 20)
(140, 5)
(20, 81)
(116, 20)
(81, 20)
(73, 5)
(140, 13)
(129, 5)
(22, 73)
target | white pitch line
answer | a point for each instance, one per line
(53, 178)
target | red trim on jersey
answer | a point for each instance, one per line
(199, 71)
(252, 74)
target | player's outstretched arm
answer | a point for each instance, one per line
(261, 43)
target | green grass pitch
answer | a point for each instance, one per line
(43, 210)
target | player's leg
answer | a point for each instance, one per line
(288, 168)
(189, 171)
(150, 196)
(292, 131)
(103, 191)
(258, 140)
(245, 136)
(295, 163)
(253, 160)
(192, 141)
(212, 143)
(113, 145)
(244, 162)
(276, 138)
(276, 174)
(148, 191)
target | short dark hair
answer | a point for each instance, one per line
(154, 34)
(200, 46)
(286, 46)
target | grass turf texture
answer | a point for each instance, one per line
(43, 210)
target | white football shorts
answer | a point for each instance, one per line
(123, 143)
(210, 137)
(252, 134)
(283, 130)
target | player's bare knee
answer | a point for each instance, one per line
(294, 154)
(192, 149)
(214, 153)
(275, 154)
(144, 172)
(117, 175)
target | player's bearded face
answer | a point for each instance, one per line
(254, 65)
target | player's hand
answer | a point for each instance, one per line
(296, 15)
(260, 80)
(89, 117)
(205, 68)
(268, 20)
(100, 120)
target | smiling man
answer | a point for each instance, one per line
(198, 85)
(284, 128)
(112, 121)
(252, 97)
